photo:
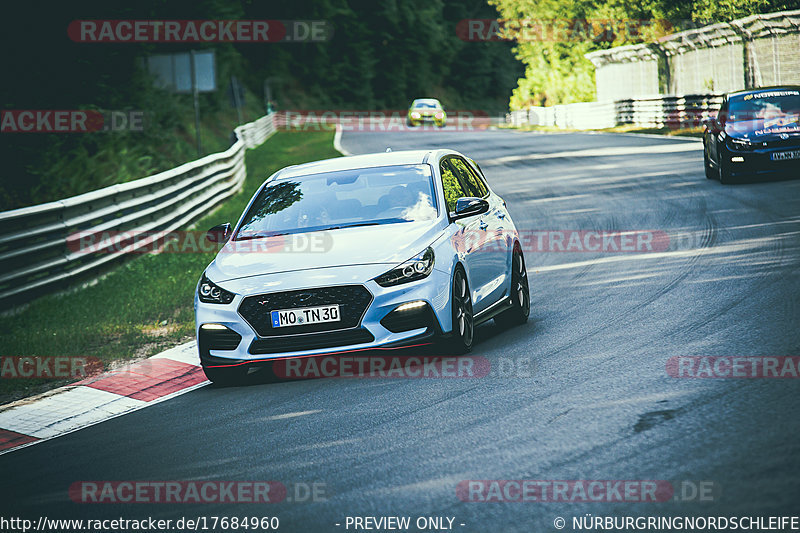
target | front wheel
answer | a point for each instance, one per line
(463, 324)
(520, 294)
(707, 162)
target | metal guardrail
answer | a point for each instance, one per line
(674, 112)
(36, 248)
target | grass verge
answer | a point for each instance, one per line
(145, 305)
(669, 132)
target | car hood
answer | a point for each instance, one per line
(389, 244)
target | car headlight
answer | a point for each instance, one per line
(439, 115)
(418, 267)
(740, 144)
(415, 114)
(211, 293)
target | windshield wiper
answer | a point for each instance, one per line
(354, 225)
(260, 236)
(320, 228)
(371, 223)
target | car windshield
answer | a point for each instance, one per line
(347, 198)
(427, 105)
(774, 108)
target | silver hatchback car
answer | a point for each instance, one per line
(366, 252)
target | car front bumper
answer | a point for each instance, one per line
(427, 119)
(226, 338)
(760, 162)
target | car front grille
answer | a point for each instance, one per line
(311, 341)
(353, 300)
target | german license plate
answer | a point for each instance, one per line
(306, 315)
(783, 156)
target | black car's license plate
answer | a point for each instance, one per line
(783, 156)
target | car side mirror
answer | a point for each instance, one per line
(219, 233)
(469, 206)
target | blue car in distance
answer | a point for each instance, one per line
(358, 253)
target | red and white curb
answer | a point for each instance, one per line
(101, 397)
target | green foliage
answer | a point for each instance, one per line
(381, 56)
(451, 186)
(712, 11)
(275, 199)
(556, 71)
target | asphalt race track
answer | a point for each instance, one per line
(581, 392)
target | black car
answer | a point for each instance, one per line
(756, 132)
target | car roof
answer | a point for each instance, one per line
(426, 101)
(380, 159)
(764, 89)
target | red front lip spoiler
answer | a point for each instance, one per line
(318, 355)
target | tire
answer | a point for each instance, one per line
(225, 376)
(463, 333)
(709, 170)
(520, 294)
